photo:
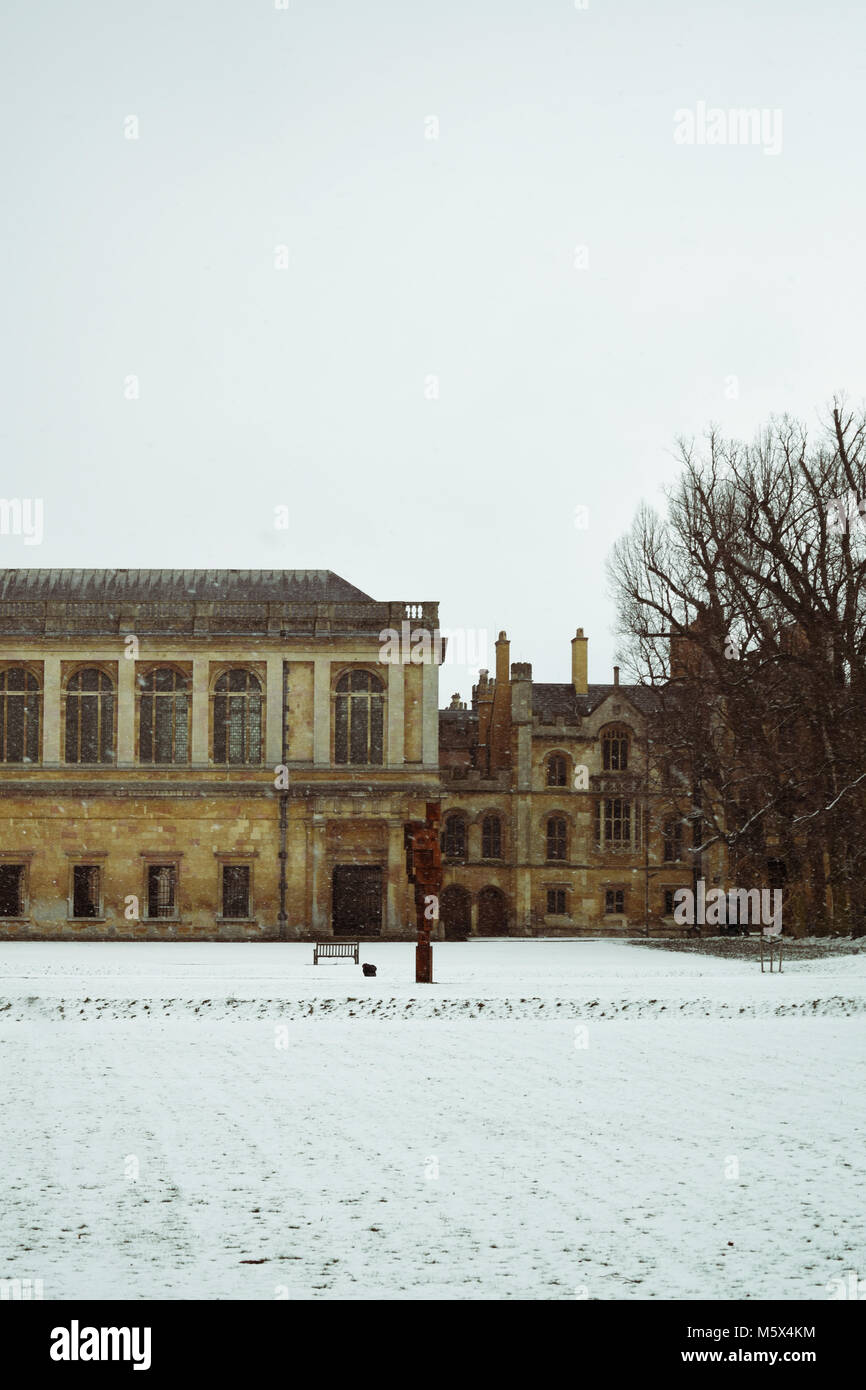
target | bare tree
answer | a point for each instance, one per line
(744, 608)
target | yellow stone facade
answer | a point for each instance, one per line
(289, 825)
(298, 633)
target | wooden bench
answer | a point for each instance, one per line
(344, 949)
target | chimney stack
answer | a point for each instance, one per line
(616, 675)
(503, 659)
(579, 662)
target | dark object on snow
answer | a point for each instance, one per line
(368, 969)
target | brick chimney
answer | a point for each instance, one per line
(579, 645)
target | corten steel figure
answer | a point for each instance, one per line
(424, 869)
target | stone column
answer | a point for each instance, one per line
(396, 715)
(200, 748)
(395, 896)
(125, 712)
(321, 915)
(322, 710)
(473, 916)
(274, 714)
(430, 714)
(51, 710)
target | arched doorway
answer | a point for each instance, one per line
(455, 909)
(492, 912)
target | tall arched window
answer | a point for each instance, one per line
(557, 838)
(614, 750)
(164, 716)
(454, 837)
(491, 838)
(556, 770)
(19, 716)
(237, 717)
(672, 839)
(359, 718)
(90, 717)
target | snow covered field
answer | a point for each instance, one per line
(646, 1124)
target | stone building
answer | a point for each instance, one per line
(212, 753)
(555, 816)
(233, 754)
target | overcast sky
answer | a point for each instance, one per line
(308, 378)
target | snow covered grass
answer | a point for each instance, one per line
(328, 1154)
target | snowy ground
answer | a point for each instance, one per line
(319, 1138)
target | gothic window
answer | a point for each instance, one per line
(491, 838)
(90, 717)
(359, 718)
(454, 837)
(556, 770)
(237, 717)
(557, 838)
(19, 716)
(672, 836)
(616, 825)
(614, 750)
(614, 900)
(164, 716)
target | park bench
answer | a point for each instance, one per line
(324, 949)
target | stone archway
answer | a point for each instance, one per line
(492, 912)
(455, 909)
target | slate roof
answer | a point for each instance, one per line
(550, 700)
(154, 585)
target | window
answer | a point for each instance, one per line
(90, 717)
(556, 771)
(669, 901)
(19, 716)
(557, 838)
(164, 716)
(616, 827)
(556, 902)
(672, 835)
(11, 890)
(86, 886)
(454, 837)
(162, 890)
(236, 890)
(614, 750)
(237, 717)
(359, 717)
(491, 838)
(614, 900)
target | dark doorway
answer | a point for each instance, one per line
(11, 876)
(492, 912)
(357, 901)
(455, 910)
